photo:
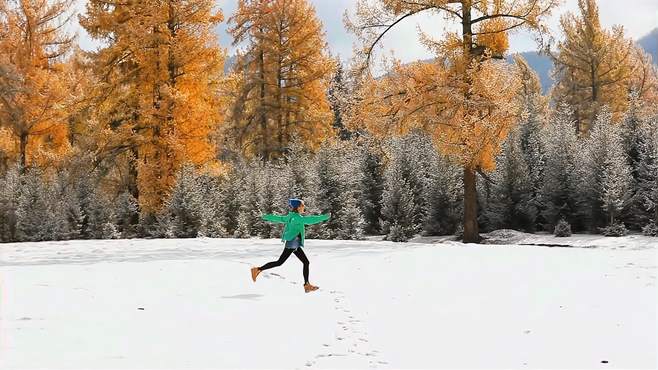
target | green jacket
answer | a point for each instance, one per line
(294, 224)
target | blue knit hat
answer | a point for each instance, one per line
(295, 203)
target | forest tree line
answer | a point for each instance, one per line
(147, 136)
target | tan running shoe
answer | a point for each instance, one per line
(309, 287)
(254, 273)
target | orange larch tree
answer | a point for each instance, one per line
(594, 66)
(465, 98)
(34, 81)
(279, 83)
(157, 95)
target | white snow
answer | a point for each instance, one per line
(445, 305)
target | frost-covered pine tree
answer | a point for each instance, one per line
(39, 214)
(648, 170)
(410, 159)
(445, 197)
(615, 185)
(94, 208)
(183, 210)
(371, 187)
(270, 198)
(211, 211)
(66, 206)
(510, 203)
(228, 199)
(398, 204)
(125, 211)
(330, 195)
(633, 129)
(608, 174)
(338, 92)
(351, 179)
(9, 195)
(530, 136)
(561, 196)
(297, 173)
(249, 212)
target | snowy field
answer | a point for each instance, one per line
(192, 304)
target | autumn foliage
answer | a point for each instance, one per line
(35, 83)
(154, 103)
(278, 88)
(156, 88)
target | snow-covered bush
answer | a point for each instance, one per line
(562, 229)
(109, 231)
(398, 233)
(459, 232)
(617, 229)
(650, 229)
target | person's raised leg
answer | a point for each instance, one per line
(308, 287)
(284, 256)
(299, 252)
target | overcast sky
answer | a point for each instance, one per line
(637, 16)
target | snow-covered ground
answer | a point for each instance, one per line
(192, 304)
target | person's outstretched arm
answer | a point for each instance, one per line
(310, 220)
(275, 218)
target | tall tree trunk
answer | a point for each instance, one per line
(23, 151)
(471, 232)
(133, 188)
(265, 150)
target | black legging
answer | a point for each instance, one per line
(284, 256)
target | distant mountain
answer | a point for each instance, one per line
(650, 44)
(542, 64)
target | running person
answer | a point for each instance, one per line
(293, 236)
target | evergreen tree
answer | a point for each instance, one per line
(66, 207)
(562, 173)
(38, 215)
(184, 208)
(331, 194)
(411, 157)
(337, 93)
(10, 185)
(530, 131)
(608, 175)
(445, 198)
(632, 132)
(270, 199)
(249, 221)
(125, 211)
(229, 202)
(510, 205)
(397, 205)
(95, 210)
(648, 170)
(212, 207)
(371, 188)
